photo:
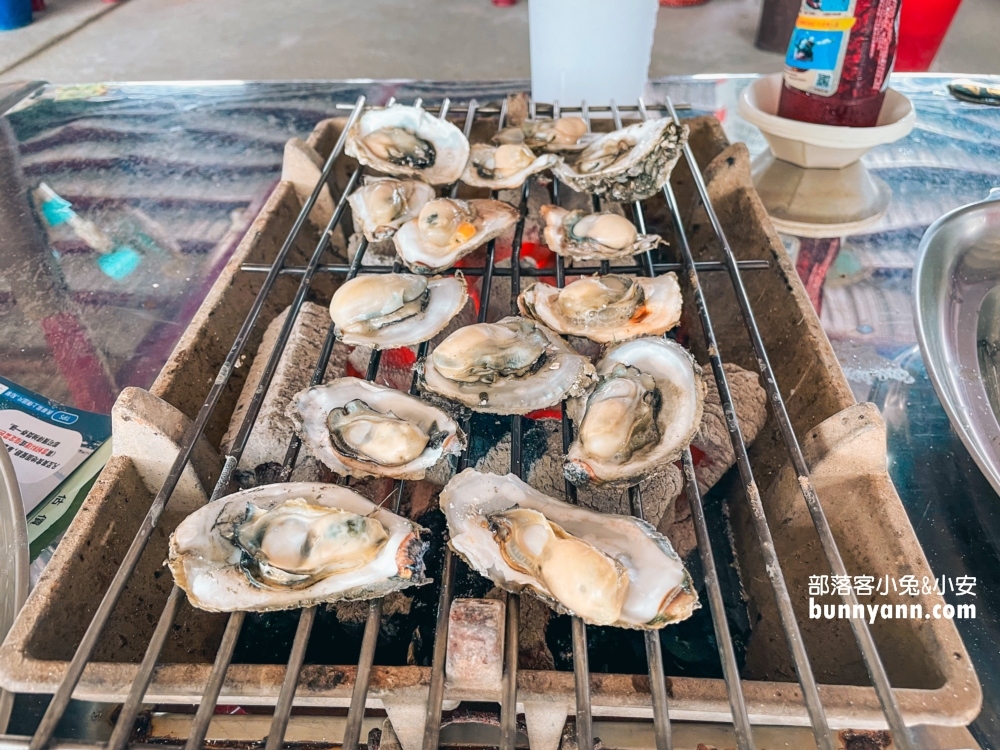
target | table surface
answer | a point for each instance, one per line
(176, 171)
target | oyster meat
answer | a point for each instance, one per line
(606, 569)
(608, 308)
(387, 311)
(403, 140)
(448, 229)
(513, 366)
(644, 411)
(603, 236)
(504, 166)
(361, 429)
(562, 134)
(383, 204)
(283, 546)
(628, 165)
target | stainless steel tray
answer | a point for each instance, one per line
(956, 301)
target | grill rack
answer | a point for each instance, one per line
(44, 735)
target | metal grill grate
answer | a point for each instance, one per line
(645, 265)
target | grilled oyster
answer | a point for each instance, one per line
(562, 134)
(603, 236)
(402, 140)
(630, 164)
(383, 204)
(608, 308)
(448, 229)
(644, 412)
(513, 366)
(282, 546)
(387, 311)
(504, 166)
(364, 430)
(605, 569)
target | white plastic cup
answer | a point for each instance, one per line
(590, 50)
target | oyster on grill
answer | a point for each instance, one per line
(448, 229)
(513, 366)
(504, 166)
(387, 311)
(644, 411)
(360, 429)
(606, 569)
(608, 308)
(403, 140)
(562, 134)
(603, 236)
(283, 546)
(630, 164)
(383, 204)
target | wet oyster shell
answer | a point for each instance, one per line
(491, 219)
(654, 148)
(413, 194)
(563, 374)
(450, 144)
(207, 565)
(446, 296)
(482, 152)
(658, 313)
(660, 588)
(682, 393)
(310, 410)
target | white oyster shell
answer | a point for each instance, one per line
(681, 392)
(310, 412)
(383, 204)
(429, 252)
(388, 311)
(505, 166)
(627, 165)
(562, 372)
(565, 134)
(600, 236)
(587, 308)
(207, 564)
(450, 146)
(659, 589)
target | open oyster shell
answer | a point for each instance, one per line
(564, 134)
(604, 568)
(387, 311)
(383, 204)
(284, 546)
(600, 236)
(404, 140)
(644, 411)
(360, 429)
(448, 229)
(606, 309)
(513, 366)
(627, 165)
(504, 166)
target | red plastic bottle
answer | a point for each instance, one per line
(838, 62)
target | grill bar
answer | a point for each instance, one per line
(876, 670)
(578, 628)
(435, 697)
(340, 268)
(807, 681)
(61, 698)
(369, 641)
(727, 654)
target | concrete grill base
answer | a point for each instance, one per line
(925, 659)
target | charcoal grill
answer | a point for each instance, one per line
(206, 694)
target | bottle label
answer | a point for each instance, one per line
(816, 51)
